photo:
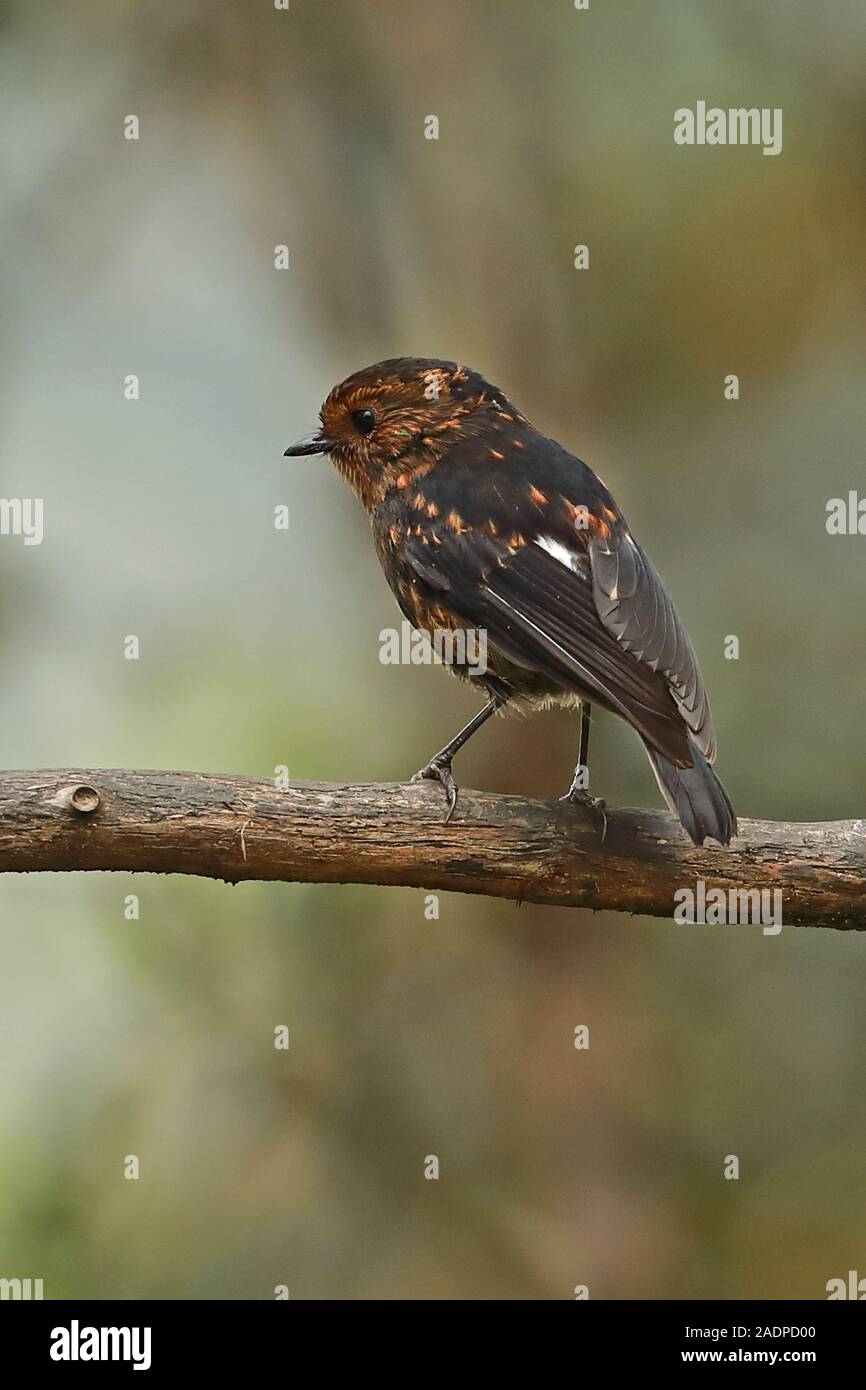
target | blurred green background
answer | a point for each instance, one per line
(258, 647)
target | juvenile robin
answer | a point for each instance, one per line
(481, 522)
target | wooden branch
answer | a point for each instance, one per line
(237, 828)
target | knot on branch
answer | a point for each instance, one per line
(80, 798)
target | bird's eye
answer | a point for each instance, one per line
(363, 420)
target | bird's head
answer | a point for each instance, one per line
(395, 418)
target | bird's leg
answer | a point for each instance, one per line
(439, 767)
(579, 789)
(578, 792)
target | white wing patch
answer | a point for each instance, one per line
(558, 552)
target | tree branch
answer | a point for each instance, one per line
(237, 828)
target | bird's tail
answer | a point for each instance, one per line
(696, 795)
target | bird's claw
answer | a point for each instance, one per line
(441, 773)
(579, 797)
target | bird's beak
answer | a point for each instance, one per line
(310, 444)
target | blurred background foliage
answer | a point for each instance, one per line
(259, 647)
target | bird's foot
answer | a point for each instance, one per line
(579, 796)
(440, 771)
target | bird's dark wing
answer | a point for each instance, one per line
(528, 543)
(635, 606)
(540, 614)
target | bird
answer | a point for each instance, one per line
(483, 523)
